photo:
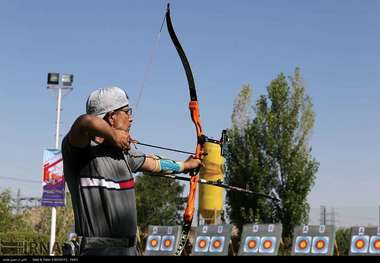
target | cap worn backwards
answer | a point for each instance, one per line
(105, 100)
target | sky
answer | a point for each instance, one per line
(228, 43)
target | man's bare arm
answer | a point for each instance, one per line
(154, 164)
(87, 126)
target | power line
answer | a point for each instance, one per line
(20, 180)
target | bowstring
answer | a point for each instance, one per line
(153, 52)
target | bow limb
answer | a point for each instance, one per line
(182, 55)
(195, 117)
(194, 112)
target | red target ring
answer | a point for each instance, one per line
(167, 243)
(376, 244)
(359, 244)
(217, 244)
(154, 242)
(202, 243)
(267, 244)
(252, 244)
(303, 244)
(320, 244)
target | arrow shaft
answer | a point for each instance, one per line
(164, 148)
(218, 184)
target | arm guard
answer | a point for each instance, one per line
(167, 166)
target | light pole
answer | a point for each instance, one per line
(57, 84)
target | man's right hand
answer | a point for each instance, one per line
(87, 127)
(121, 139)
(192, 163)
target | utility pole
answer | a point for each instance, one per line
(54, 83)
(323, 215)
(332, 216)
(18, 202)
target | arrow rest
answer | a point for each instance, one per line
(222, 142)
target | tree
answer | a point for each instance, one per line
(158, 201)
(270, 153)
(33, 227)
(64, 223)
(343, 240)
(9, 221)
(241, 111)
(15, 229)
(5, 211)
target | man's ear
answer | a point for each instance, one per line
(110, 118)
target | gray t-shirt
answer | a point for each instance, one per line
(101, 184)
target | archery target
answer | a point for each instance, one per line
(202, 244)
(359, 244)
(167, 243)
(303, 245)
(251, 244)
(320, 245)
(267, 245)
(217, 244)
(153, 243)
(374, 245)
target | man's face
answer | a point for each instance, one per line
(122, 119)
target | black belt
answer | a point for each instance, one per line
(104, 242)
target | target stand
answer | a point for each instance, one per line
(260, 240)
(317, 240)
(212, 240)
(162, 240)
(365, 241)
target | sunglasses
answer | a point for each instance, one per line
(127, 111)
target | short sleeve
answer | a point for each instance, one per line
(74, 157)
(135, 159)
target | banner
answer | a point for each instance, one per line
(53, 182)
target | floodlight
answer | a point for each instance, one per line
(53, 79)
(67, 79)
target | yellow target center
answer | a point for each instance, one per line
(320, 244)
(217, 244)
(252, 244)
(153, 242)
(267, 244)
(202, 243)
(359, 244)
(377, 244)
(303, 244)
(167, 243)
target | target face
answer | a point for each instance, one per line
(153, 243)
(359, 244)
(251, 244)
(320, 245)
(202, 244)
(303, 245)
(167, 243)
(374, 247)
(217, 244)
(267, 245)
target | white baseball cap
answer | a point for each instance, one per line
(106, 99)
